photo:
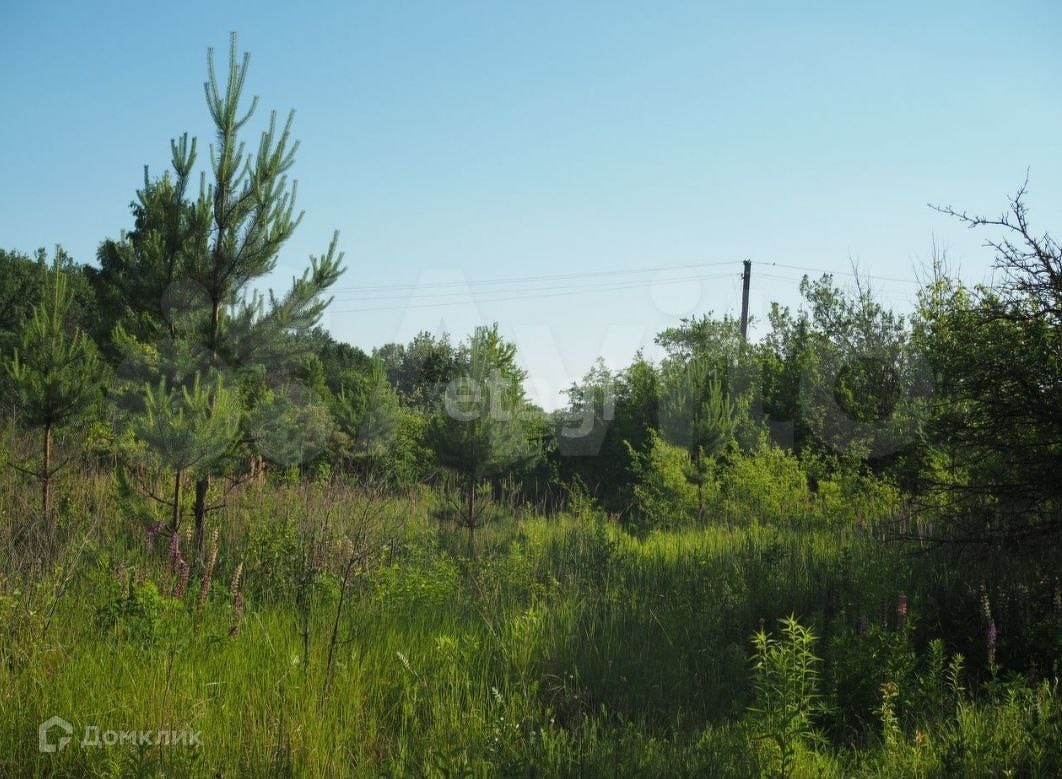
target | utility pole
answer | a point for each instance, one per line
(746, 277)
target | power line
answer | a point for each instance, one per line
(566, 288)
(513, 288)
(509, 281)
(844, 273)
(486, 298)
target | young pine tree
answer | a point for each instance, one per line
(214, 249)
(54, 377)
(368, 414)
(479, 430)
(187, 428)
(698, 415)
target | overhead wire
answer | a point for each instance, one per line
(507, 289)
(870, 276)
(501, 296)
(543, 277)
(420, 292)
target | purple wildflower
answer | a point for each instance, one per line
(185, 571)
(237, 613)
(990, 642)
(175, 547)
(153, 530)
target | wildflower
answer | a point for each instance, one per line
(184, 570)
(152, 530)
(208, 575)
(237, 613)
(990, 642)
(901, 612)
(986, 606)
(237, 600)
(234, 587)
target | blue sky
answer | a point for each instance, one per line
(583, 173)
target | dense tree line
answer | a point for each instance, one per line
(175, 369)
(956, 404)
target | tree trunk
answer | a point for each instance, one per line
(46, 479)
(175, 521)
(202, 485)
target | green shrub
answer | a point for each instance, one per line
(767, 485)
(139, 614)
(664, 499)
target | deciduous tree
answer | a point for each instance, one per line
(997, 355)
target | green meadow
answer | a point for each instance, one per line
(363, 638)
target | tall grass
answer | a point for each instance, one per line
(372, 644)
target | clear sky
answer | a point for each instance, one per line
(584, 173)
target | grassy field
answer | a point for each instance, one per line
(331, 632)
